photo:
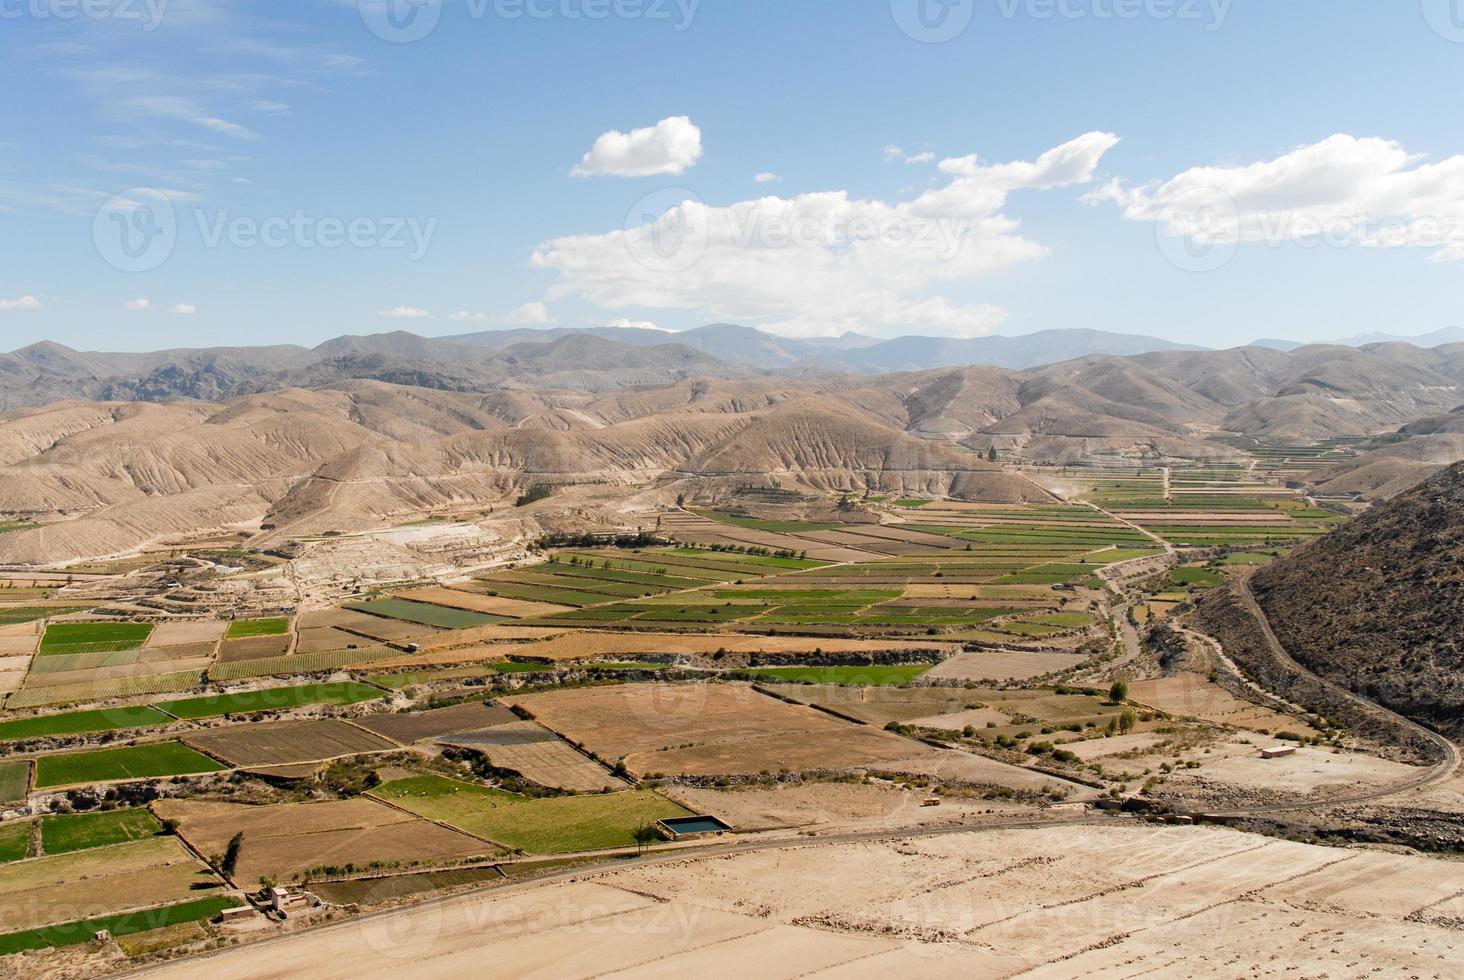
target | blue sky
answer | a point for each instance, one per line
(1214, 172)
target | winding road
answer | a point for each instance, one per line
(1445, 769)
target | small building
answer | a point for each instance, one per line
(284, 901)
(237, 913)
(1278, 752)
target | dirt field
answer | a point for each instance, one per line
(1191, 695)
(12, 673)
(1311, 771)
(288, 839)
(254, 648)
(539, 756)
(19, 643)
(327, 638)
(63, 678)
(1060, 902)
(69, 887)
(830, 807)
(180, 634)
(1002, 665)
(277, 743)
(716, 729)
(414, 726)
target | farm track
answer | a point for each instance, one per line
(1441, 771)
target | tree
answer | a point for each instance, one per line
(645, 835)
(991, 455)
(230, 860)
(1127, 721)
(1118, 693)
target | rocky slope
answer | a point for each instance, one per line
(1378, 605)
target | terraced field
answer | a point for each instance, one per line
(545, 826)
(99, 637)
(129, 762)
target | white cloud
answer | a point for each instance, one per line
(269, 107)
(767, 177)
(1341, 191)
(823, 263)
(624, 323)
(406, 313)
(26, 304)
(925, 157)
(137, 305)
(529, 313)
(187, 110)
(892, 151)
(183, 309)
(672, 146)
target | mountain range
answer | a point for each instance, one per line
(595, 360)
(363, 431)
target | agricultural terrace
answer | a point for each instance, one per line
(539, 826)
(131, 886)
(82, 722)
(971, 570)
(80, 831)
(14, 780)
(11, 615)
(245, 628)
(579, 578)
(709, 729)
(425, 614)
(271, 699)
(1201, 506)
(128, 762)
(89, 637)
(290, 841)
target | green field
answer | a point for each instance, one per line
(545, 826)
(81, 722)
(1191, 575)
(94, 637)
(754, 524)
(15, 839)
(241, 628)
(271, 699)
(424, 614)
(81, 831)
(14, 780)
(872, 676)
(29, 614)
(130, 762)
(125, 924)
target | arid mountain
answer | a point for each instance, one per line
(478, 427)
(1378, 605)
(1392, 463)
(45, 373)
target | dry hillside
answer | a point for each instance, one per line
(1378, 605)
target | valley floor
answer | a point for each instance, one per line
(1119, 901)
